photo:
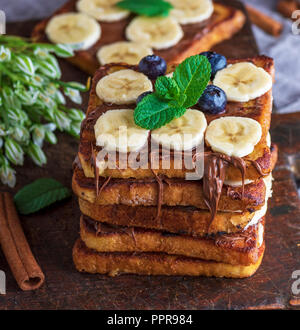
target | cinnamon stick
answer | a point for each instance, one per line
(23, 265)
(265, 22)
(287, 7)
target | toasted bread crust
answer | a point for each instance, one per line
(112, 264)
(234, 249)
(176, 192)
(175, 219)
(258, 109)
(223, 24)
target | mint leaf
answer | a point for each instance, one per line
(153, 112)
(192, 77)
(167, 88)
(39, 194)
(146, 7)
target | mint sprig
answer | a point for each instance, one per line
(39, 194)
(146, 7)
(173, 96)
(192, 77)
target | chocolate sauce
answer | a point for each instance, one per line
(257, 167)
(96, 174)
(215, 165)
(103, 228)
(231, 239)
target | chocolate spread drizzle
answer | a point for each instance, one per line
(257, 167)
(215, 165)
(231, 239)
(96, 173)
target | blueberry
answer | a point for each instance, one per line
(140, 97)
(217, 62)
(153, 66)
(213, 100)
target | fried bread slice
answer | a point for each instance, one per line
(116, 263)
(175, 192)
(235, 249)
(258, 163)
(175, 219)
(198, 37)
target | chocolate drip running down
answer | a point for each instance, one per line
(96, 173)
(215, 165)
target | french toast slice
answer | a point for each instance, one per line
(198, 37)
(176, 192)
(235, 249)
(137, 192)
(175, 219)
(116, 263)
(258, 109)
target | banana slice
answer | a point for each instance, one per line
(237, 183)
(243, 81)
(156, 32)
(123, 51)
(123, 87)
(182, 133)
(233, 136)
(102, 10)
(116, 130)
(191, 11)
(73, 28)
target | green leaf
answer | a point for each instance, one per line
(192, 77)
(146, 7)
(167, 88)
(153, 112)
(39, 194)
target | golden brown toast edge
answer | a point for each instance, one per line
(225, 22)
(174, 219)
(176, 192)
(113, 264)
(235, 249)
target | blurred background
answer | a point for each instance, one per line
(285, 49)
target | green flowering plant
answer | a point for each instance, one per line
(33, 102)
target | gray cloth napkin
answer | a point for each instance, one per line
(285, 49)
(286, 52)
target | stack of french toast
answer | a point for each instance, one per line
(173, 172)
(158, 220)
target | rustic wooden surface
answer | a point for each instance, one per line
(53, 231)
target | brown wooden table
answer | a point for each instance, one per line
(53, 231)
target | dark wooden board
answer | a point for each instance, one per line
(52, 233)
